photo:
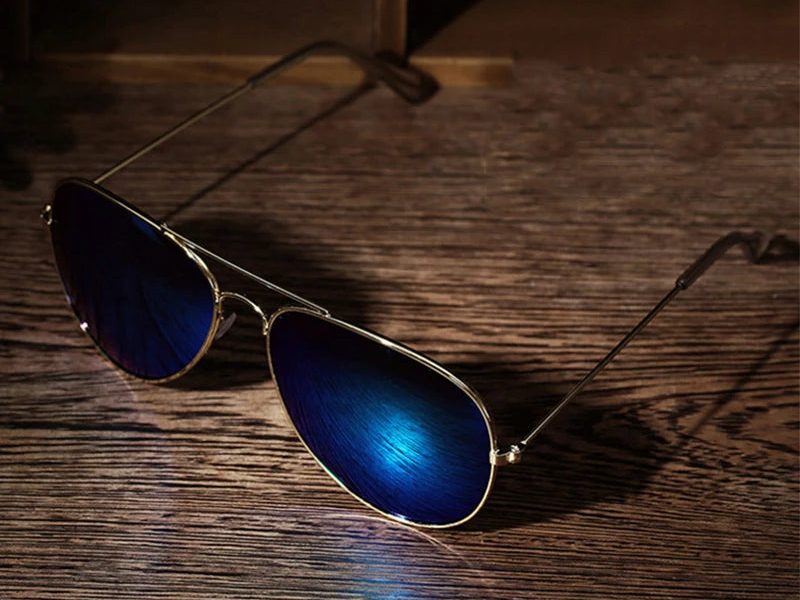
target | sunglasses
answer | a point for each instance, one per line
(398, 431)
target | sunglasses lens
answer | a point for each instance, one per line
(147, 305)
(394, 431)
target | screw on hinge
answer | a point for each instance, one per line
(511, 456)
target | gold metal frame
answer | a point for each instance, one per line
(420, 358)
(414, 87)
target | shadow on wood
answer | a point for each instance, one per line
(591, 455)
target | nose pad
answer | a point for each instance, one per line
(226, 323)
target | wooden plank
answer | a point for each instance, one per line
(330, 70)
(467, 71)
(153, 68)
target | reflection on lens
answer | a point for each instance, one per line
(146, 304)
(394, 431)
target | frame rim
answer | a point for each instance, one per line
(166, 234)
(418, 357)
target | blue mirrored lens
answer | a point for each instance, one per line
(145, 303)
(392, 430)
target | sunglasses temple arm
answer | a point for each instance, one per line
(407, 82)
(755, 250)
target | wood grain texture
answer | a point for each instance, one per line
(512, 234)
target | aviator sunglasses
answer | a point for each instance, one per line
(397, 430)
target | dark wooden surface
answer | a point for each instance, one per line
(514, 235)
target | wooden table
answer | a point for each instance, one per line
(512, 234)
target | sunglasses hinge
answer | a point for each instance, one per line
(508, 457)
(47, 214)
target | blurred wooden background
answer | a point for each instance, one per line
(461, 42)
(512, 233)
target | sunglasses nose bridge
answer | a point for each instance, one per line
(245, 300)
